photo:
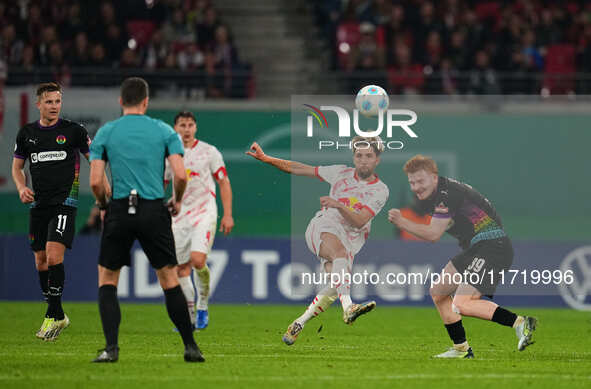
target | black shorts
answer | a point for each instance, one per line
(482, 263)
(54, 223)
(151, 226)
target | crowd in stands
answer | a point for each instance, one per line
(461, 46)
(79, 42)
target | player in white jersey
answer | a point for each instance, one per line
(195, 226)
(338, 231)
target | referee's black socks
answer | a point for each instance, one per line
(56, 276)
(176, 305)
(110, 314)
(504, 317)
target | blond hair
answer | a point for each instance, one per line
(420, 162)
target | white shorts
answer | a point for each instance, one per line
(322, 223)
(198, 238)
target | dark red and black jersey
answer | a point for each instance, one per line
(473, 216)
(54, 160)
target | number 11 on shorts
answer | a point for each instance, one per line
(61, 223)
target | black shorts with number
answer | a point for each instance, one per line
(482, 263)
(150, 225)
(54, 223)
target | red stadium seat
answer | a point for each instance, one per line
(411, 78)
(141, 30)
(347, 36)
(559, 73)
(488, 10)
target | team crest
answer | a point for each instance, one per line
(441, 208)
(60, 139)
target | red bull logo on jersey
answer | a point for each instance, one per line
(191, 174)
(352, 203)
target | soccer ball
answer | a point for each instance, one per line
(372, 99)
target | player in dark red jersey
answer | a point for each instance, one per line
(53, 147)
(470, 217)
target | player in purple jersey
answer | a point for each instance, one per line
(52, 146)
(487, 252)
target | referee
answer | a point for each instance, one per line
(136, 146)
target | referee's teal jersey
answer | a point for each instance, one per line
(135, 146)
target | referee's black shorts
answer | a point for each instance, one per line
(151, 226)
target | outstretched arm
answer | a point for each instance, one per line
(291, 167)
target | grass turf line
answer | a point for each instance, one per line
(390, 347)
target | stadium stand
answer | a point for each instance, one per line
(182, 47)
(460, 46)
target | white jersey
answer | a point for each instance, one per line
(356, 194)
(204, 165)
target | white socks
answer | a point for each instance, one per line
(189, 292)
(343, 286)
(202, 282)
(321, 302)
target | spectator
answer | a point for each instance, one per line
(114, 43)
(11, 48)
(206, 29)
(483, 79)
(128, 60)
(156, 52)
(28, 59)
(80, 56)
(176, 30)
(98, 56)
(73, 24)
(530, 50)
(405, 77)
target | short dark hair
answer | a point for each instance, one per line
(184, 114)
(133, 91)
(48, 87)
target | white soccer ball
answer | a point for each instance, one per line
(372, 99)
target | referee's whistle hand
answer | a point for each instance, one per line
(26, 195)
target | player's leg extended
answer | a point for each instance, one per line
(199, 262)
(184, 273)
(441, 294)
(110, 313)
(43, 271)
(319, 304)
(56, 275)
(469, 303)
(178, 312)
(333, 250)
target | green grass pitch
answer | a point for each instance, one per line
(390, 347)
